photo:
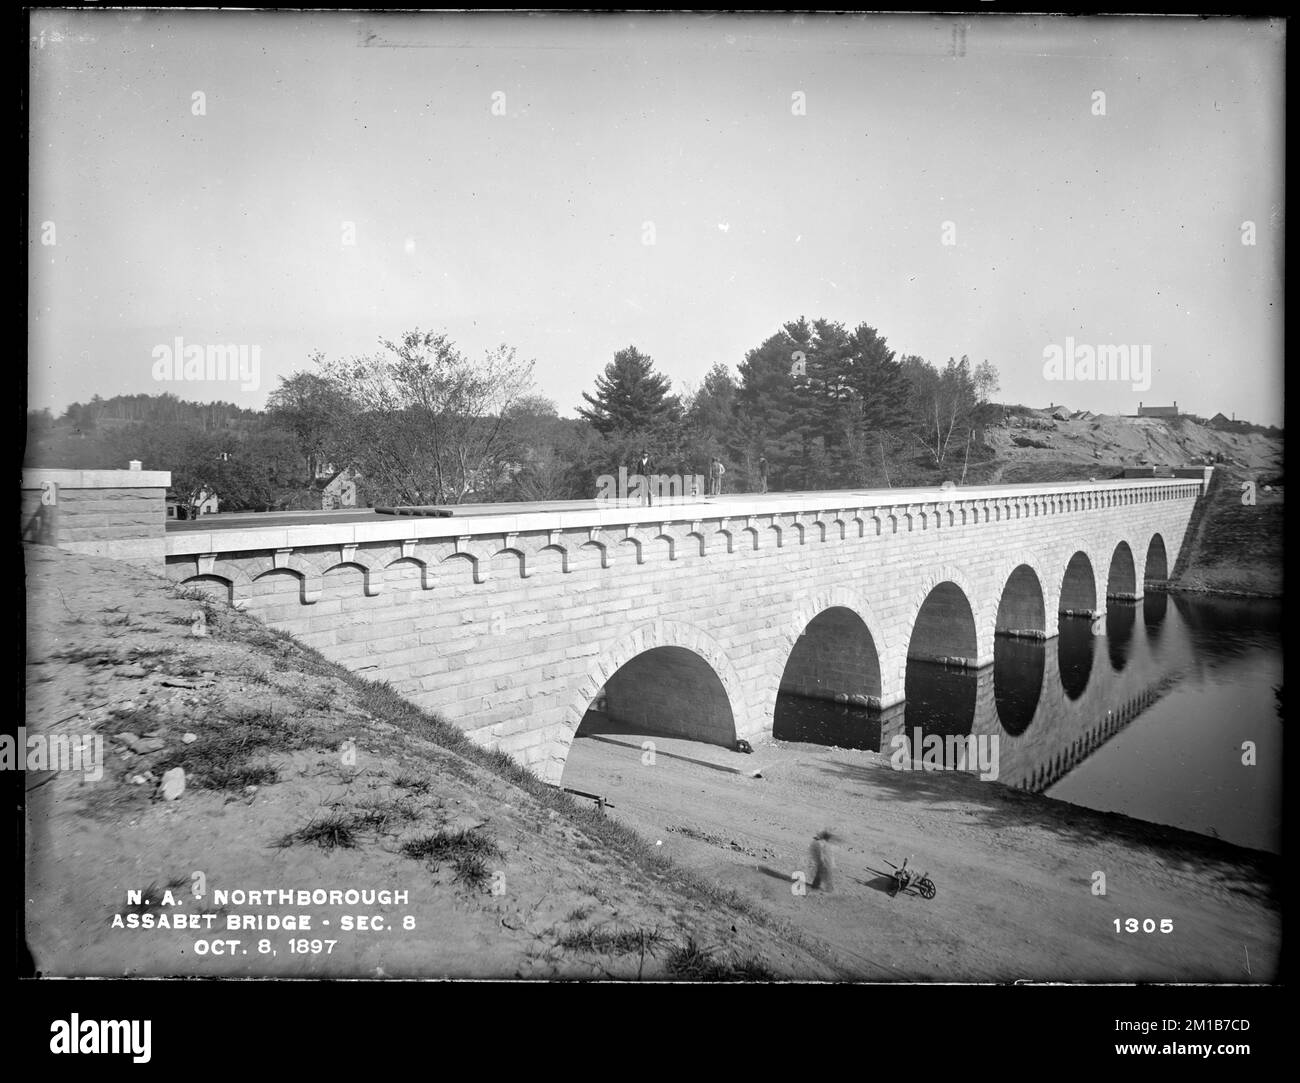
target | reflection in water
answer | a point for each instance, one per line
(1145, 736)
(1018, 666)
(1121, 618)
(1075, 645)
(1154, 604)
(940, 699)
(822, 722)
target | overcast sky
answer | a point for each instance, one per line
(200, 170)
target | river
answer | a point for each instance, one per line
(1173, 716)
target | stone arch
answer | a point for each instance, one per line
(1155, 568)
(1121, 576)
(372, 574)
(426, 572)
(809, 610)
(1079, 583)
(510, 560)
(211, 579)
(598, 549)
(1022, 602)
(478, 569)
(632, 645)
(309, 580)
(981, 645)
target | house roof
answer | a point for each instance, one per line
(321, 484)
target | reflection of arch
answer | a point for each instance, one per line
(1155, 604)
(1018, 668)
(1078, 585)
(1120, 620)
(1121, 580)
(1074, 652)
(1021, 607)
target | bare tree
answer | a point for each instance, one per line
(944, 403)
(423, 421)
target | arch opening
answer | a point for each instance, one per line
(945, 629)
(1021, 610)
(941, 698)
(830, 687)
(1078, 588)
(1121, 581)
(666, 692)
(1156, 570)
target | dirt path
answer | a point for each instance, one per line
(1014, 871)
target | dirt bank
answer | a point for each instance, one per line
(302, 777)
(1014, 871)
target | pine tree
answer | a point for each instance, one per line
(630, 395)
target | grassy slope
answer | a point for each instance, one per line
(1237, 547)
(274, 797)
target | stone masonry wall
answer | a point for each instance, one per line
(511, 628)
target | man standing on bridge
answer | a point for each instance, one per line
(716, 470)
(643, 468)
(762, 474)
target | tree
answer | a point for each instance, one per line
(421, 421)
(630, 395)
(945, 405)
(310, 406)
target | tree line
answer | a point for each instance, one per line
(421, 422)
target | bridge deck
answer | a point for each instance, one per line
(299, 528)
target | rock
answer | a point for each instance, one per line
(173, 784)
(250, 789)
(189, 738)
(139, 780)
(141, 746)
(131, 671)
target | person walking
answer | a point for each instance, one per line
(716, 470)
(762, 475)
(823, 862)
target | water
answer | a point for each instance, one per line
(1150, 719)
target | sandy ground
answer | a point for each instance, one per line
(1013, 871)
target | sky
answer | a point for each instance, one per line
(1002, 188)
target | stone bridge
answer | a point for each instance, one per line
(690, 619)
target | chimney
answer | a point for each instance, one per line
(135, 464)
